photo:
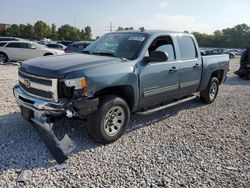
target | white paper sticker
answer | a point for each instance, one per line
(137, 38)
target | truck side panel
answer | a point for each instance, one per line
(211, 64)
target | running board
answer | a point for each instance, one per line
(167, 105)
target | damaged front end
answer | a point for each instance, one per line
(42, 114)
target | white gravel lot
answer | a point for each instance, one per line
(187, 144)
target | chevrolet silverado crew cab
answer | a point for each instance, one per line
(118, 74)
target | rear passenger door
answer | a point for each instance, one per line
(190, 65)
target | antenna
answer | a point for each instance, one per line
(111, 27)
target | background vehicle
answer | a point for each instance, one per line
(56, 46)
(23, 50)
(65, 43)
(11, 39)
(77, 46)
(218, 51)
(120, 73)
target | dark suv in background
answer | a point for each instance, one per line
(77, 46)
(57, 46)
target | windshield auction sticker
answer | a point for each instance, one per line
(137, 38)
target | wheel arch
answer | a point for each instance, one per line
(1, 52)
(126, 92)
(218, 74)
(47, 53)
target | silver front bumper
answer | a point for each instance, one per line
(41, 112)
(36, 104)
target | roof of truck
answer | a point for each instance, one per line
(150, 32)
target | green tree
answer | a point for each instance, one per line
(54, 34)
(217, 38)
(67, 32)
(41, 30)
(88, 33)
(22, 30)
(82, 35)
(28, 32)
(13, 30)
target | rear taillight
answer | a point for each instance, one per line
(66, 50)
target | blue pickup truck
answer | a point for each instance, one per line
(118, 74)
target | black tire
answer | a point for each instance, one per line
(3, 58)
(110, 120)
(210, 93)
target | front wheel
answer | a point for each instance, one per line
(110, 121)
(209, 95)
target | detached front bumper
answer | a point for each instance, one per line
(41, 112)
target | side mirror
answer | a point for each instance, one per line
(156, 56)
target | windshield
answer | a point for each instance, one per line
(122, 45)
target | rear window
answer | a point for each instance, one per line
(2, 43)
(186, 47)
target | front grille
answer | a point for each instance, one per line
(36, 92)
(36, 80)
(37, 86)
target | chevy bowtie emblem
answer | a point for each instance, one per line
(26, 82)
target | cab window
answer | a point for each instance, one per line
(186, 47)
(163, 44)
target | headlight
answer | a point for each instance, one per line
(78, 84)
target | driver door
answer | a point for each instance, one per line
(159, 81)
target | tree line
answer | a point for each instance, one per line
(236, 37)
(41, 30)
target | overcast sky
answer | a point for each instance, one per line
(192, 15)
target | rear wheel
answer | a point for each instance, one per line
(110, 121)
(209, 95)
(3, 58)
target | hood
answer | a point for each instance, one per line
(59, 66)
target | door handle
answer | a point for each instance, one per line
(173, 69)
(196, 66)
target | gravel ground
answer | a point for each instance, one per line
(186, 144)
